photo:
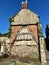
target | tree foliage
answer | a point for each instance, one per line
(6, 34)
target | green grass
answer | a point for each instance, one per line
(28, 60)
(22, 61)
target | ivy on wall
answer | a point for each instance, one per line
(11, 20)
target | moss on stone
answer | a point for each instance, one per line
(21, 63)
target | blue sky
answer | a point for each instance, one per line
(8, 8)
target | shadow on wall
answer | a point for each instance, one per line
(47, 44)
(47, 37)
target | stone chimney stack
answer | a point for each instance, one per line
(24, 5)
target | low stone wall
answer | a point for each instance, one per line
(42, 51)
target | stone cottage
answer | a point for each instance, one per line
(26, 38)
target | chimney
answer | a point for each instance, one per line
(24, 5)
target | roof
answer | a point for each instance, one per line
(25, 16)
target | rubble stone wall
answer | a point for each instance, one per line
(26, 49)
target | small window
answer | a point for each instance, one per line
(24, 37)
